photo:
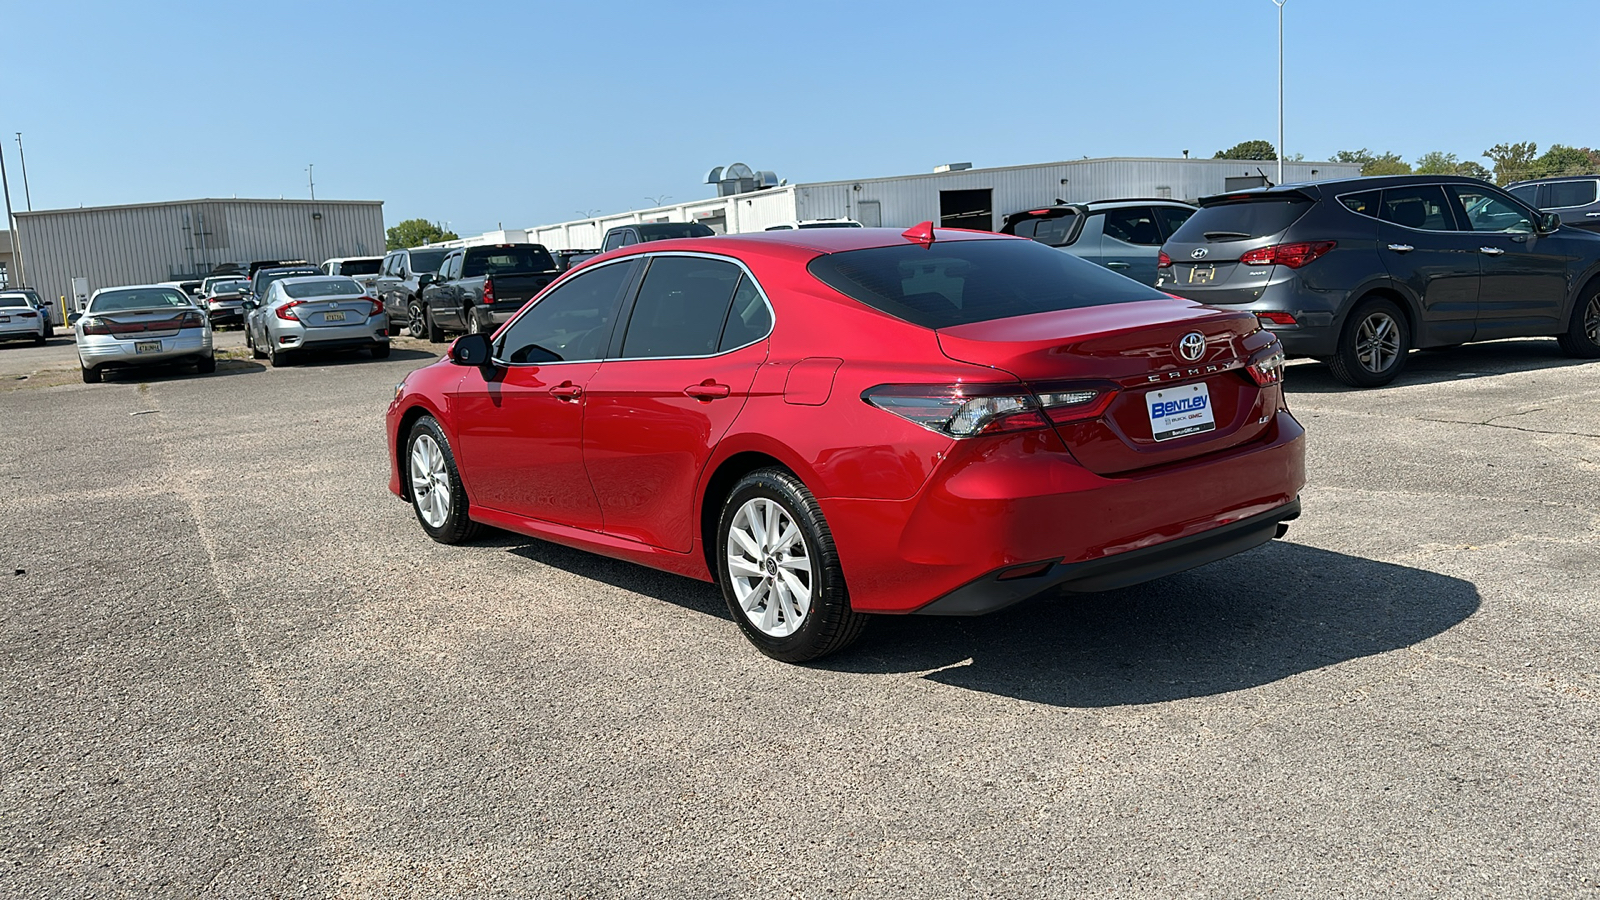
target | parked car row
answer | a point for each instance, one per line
(23, 316)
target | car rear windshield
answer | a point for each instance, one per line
(359, 267)
(426, 262)
(506, 260)
(333, 287)
(958, 282)
(662, 231)
(14, 300)
(1242, 220)
(138, 298)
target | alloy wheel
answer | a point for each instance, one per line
(769, 564)
(1378, 342)
(430, 482)
(1591, 320)
(415, 324)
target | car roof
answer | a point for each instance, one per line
(306, 279)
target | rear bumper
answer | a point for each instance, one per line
(1025, 501)
(19, 329)
(995, 592)
(103, 350)
(374, 330)
(1318, 314)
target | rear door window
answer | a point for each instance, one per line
(1172, 218)
(1419, 206)
(959, 282)
(1242, 220)
(1567, 194)
(1527, 193)
(571, 323)
(681, 308)
(522, 259)
(1133, 225)
(1362, 204)
(749, 319)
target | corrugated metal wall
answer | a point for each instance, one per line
(162, 242)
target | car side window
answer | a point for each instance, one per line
(1054, 232)
(1488, 211)
(1362, 204)
(1529, 194)
(1569, 194)
(629, 238)
(1133, 225)
(1025, 228)
(451, 268)
(749, 319)
(1417, 206)
(613, 241)
(572, 322)
(681, 307)
(1172, 218)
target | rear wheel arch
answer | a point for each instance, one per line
(1398, 298)
(719, 484)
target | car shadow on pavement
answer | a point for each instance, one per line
(689, 593)
(1445, 364)
(180, 372)
(1274, 612)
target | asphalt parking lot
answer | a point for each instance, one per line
(235, 667)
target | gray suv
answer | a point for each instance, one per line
(1357, 272)
(1123, 235)
(1576, 199)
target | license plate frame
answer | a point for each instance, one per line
(333, 316)
(147, 347)
(1179, 412)
(1209, 276)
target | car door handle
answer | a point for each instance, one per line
(707, 390)
(1593, 215)
(1401, 248)
(1491, 251)
(566, 390)
(1117, 265)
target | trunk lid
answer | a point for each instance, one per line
(1134, 347)
(140, 324)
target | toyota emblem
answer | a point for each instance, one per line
(1192, 346)
(1198, 253)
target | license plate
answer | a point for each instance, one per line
(1180, 411)
(5, 318)
(1202, 274)
(333, 317)
(147, 347)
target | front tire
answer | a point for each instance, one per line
(205, 365)
(1582, 337)
(1373, 345)
(380, 351)
(414, 323)
(434, 485)
(779, 570)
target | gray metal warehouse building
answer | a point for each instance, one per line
(73, 252)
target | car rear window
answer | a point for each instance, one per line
(332, 287)
(505, 260)
(1242, 220)
(958, 282)
(661, 231)
(359, 267)
(138, 298)
(14, 300)
(426, 262)
(1565, 194)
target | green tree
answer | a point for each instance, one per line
(1249, 150)
(1563, 160)
(1512, 161)
(1374, 163)
(415, 232)
(1439, 162)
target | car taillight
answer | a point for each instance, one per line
(1292, 255)
(1163, 261)
(286, 311)
(25, 314)
(192, 319)
(969, 410)
(377, 307)
(1266, 368)
(1276, 318)
(488, 290)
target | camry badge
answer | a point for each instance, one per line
(1192, 346)
(1198, 253)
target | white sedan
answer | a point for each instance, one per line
(20, 319)
(141, 325)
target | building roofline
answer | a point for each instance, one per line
(77, 209)
(1071, 162)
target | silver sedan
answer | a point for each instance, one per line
(141, 325)
(317, 312)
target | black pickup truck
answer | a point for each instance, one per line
(478, 288)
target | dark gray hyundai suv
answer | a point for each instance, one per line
(1360, 271)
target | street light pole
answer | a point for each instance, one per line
(13, 278)
(1279, 4)
(25, 192)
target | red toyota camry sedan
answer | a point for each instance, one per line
(833, 423)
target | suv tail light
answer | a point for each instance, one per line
(1163, 261)
(969, 410)
(286, 311)
(1266, 367)
(1292, 255)
(488, 290)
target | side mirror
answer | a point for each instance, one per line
(72, 318)
(472, 350)
(1548, 222)
(249, 304)
(425, 279)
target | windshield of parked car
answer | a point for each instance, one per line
(1242, 220)
(959, 282)
(14, 300)
(426, 262)
(138, 298)
(663, 231)
(331, 287)
(506, 260)
(358, 267)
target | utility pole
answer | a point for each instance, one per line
(25, 192)
(14, 279)
(1279, 4)
(310, 180)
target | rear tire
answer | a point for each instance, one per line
(380, 351)
(206, 364)
(1373, 344)
(441, 502)
(1582, 337)
(92, 375)
(783, 578)
(275, 357)
(41, 338)
(435, 333)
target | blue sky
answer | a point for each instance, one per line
(480, 114)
